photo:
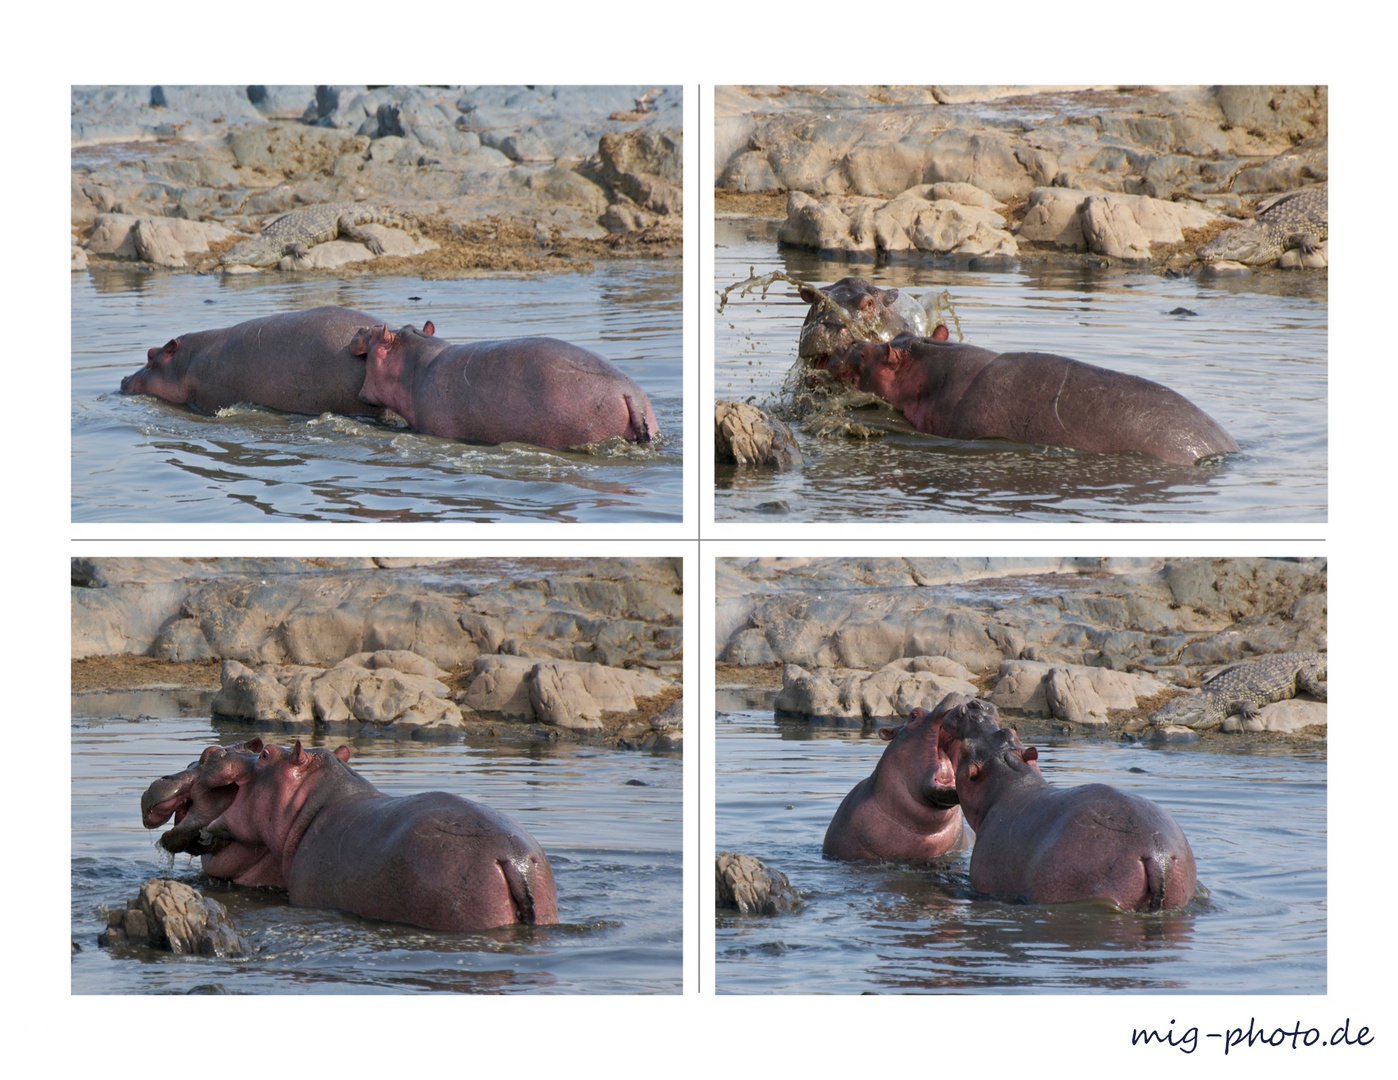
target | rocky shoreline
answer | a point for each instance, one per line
(496, 179)
(543, 649)
(1082, 646)
(1131, 175)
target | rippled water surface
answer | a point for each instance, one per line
(1255, 821)
(609, 821)
(1253, 356)
(141, 459)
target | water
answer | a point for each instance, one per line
(1254, 358)
(140, 459)
(1255, 821)
(614, 846)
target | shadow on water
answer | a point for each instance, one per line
(1251, 352)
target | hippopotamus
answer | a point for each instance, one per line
(1041, 844)
(960, 391)
(297, 362)
(907, 808)
(533, 390)
(334, 840)
(871, 314)
(195, 805)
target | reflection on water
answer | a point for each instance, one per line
(1253, 356)
(609, 820)
(1256, 824)
(139, 459)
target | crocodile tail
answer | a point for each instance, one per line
(1155, 881)
(521, 891)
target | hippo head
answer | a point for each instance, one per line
(923, 757)
(850, 310)
(271, 788)
(161, 376)
(197, 797)
(389, 359)
(987, 756)
(854, 310)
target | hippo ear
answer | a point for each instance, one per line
(429, 329)
(343, 753)
(890, 295)
(808, 293)
(887, 734)
(171, 347)
(1029, 753)
(359, 344)
(975, 770)
(299, 757)
(940, 333)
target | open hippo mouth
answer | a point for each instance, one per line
(941, 791)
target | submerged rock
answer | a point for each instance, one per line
(173, 916)
(748, 885)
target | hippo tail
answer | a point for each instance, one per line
(1156, 877)
(642, 419)
(521, 891)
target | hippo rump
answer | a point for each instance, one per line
(297, 362)
(303, 819)
(959, 391)
(907, 808)
(531, 390)
(854, 309)
(1040, 844)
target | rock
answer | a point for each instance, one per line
(163, 241)
(1103, 616)
(745, 883)
(623, 611)
(300, 697)
(745, 435)
(560, 692)
(87, 574)
(173, 916)
(1079, 691)
(857, 696)
(1285, 717)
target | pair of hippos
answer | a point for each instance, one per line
(331, 359)
(1034, 843)
(959, 391)
(303, 820)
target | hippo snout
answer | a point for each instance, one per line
(971, 718)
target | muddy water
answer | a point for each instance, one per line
(140, 459)
(609, 820)
(1253, 356)
(1255, 821)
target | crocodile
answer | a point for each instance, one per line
(1245, 687)
(1298, 220)
(295, 233)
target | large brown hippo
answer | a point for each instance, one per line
(959, 391)
(1040, 844)
(434, 860)
(298, 362)
(906, 809)
(187, 796)
(532, 390)
(869, 314)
